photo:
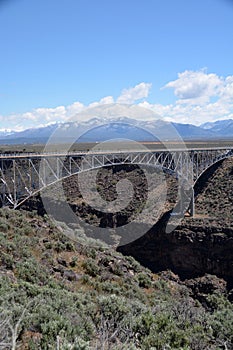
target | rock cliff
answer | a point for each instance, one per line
(199, 245)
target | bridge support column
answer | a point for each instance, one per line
(192, 204)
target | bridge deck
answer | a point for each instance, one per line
(113, 151)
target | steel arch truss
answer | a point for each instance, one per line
(21, 175)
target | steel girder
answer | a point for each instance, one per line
(21, 175)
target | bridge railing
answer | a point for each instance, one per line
(115, 150)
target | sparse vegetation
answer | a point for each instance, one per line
(61, 294)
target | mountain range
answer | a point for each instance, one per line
(99, 129)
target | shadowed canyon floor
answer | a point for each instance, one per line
(199, 245)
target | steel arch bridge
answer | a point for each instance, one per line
(25, 174)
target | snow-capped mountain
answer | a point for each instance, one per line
(5, 132)
(101, 129)
(32, 135)
(222, 127)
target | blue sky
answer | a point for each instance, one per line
(60, 56)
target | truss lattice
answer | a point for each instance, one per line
(23, 175)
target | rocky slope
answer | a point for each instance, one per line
(194, 248)
(199, 245)
(61, 293)
(214, 193)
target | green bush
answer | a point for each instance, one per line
(30, 271)
(91, 267)
(144, 280)
(7, 260)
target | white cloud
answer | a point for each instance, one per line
(50, 114)
(193, 114)
(135, 93)
(226, 94)
(45, 116)
(76, 107)
(196, 87)
(201, 97)
(103, 101)
(107, 100)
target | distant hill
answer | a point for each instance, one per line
(97, 129)
(223, 128)
(189, 132)
(33, 135)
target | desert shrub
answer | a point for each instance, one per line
(104, 308)
(220, 320)
(144, 280)
(85, 279)
(4, 227)
(134, 264)
(10, 246)
(30, 271)
(91, 267)
(114, 319)
(73, 261)
(59, 246)
(26, 229)
(77, 344)
(48, 244)
(69, 246)
(111, 287)
(91, 253)
(7, 260)
(32, 214)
